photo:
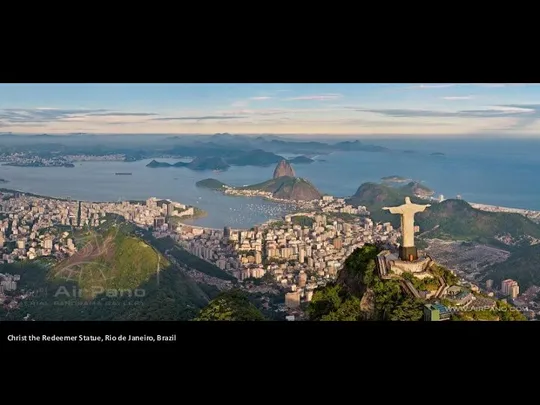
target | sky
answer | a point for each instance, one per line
(431, 109)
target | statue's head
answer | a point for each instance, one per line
(407, 200)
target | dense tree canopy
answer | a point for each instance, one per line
(342, 301)
(232, 305)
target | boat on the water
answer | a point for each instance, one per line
(123, 174)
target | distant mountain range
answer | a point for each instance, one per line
(256, 157)
(234, 149)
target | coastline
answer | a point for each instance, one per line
(264, 196)
(533, 215)
(199, 213)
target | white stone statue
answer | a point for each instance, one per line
(407, 212)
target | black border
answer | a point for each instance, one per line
(349, 58)
(275, 45)
(308, 337)
(386, 55)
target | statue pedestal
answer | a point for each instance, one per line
(417, 268)
(408, 254)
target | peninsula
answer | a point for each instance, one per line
(284, 186)
(40, 164)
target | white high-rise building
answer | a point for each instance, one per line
(510, 287)
(48, 243)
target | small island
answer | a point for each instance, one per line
(3, 181)
(395, 179)
(155, 164)
(438, 154)
(212, 184)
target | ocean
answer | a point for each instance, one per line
(496, 172)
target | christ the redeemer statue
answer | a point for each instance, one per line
(407, 249)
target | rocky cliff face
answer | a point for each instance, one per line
(297, 189)
(284, 169)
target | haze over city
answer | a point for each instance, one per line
(508, 110)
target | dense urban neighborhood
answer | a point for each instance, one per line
(284, 260)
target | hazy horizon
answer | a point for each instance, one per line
(374, 111)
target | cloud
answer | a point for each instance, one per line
(260, 98)
(15, 115)
(119, 123)
(452, 98)
(317, 97)
(279, 111)
(447, 85)
(240, 104)
(434, 86)
(522, 116)
(392, 123)
(120, 114)
(201, 118)
(522, 106)
(43, 115)
(530, 116)
(497, 111)
(253, 112)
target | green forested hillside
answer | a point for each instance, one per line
(523, 265)
(113, 277)
(450, 219)
(232, 305)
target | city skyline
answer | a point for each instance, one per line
(440, 109)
